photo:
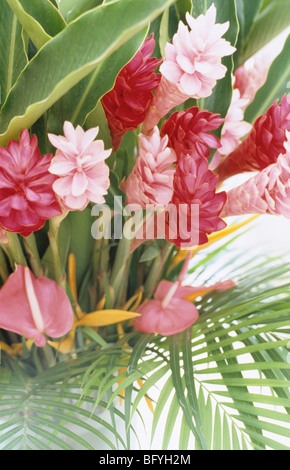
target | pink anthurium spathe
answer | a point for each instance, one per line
(34, 307)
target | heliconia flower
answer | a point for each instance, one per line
(195, 187)
(79, 163)
(266, 193)
(264, 143)
(233, 130)
(127, 103)
(27, 199)
(192, 64)
(151, 180)
(34, 307)
(189, 132)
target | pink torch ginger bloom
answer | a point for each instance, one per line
(34, 307)
(170, 312)
(79, 163)
(127, 103)
(266, 193)
(195, 186)
(189, 132)
(264, 143)
(234, 129)
(26, 196)
(192, 64)
(151, 181)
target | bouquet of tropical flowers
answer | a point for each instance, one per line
(124, 128)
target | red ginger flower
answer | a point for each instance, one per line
(188, 132)
(263, 145)
(127, 103)
(27, 199)
(195, 187)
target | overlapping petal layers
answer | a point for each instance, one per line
(151, 181)
(192, 65)
(34, 307)
(198, 205)
(263, 145)
(266, 193)
(127, 103)
(189, 132)
(79, 164)
(27, 199)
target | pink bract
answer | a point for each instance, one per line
(27, 199)
(34, 307)
(79, 164)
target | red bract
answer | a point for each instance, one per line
(27, 199)
(189, 132)
(263, 145)
(127, 103)
(195, 188)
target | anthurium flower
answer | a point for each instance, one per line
(79, 164)
(127, 103)
(266, 193)
(151, 180)
(195, 186)
(34, 307)
(264, 143)
(192, 64)
(27, 199)
(189, 132)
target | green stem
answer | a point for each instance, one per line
(122, 255)
(15, 249)
(4, 273)
(59, 273)
(33, 254)
(156, 271)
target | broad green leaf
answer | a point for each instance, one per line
(149, 254)
(269, 23)
(276, 85)
(12, 54)
(90, 40)
(83, 97)
(71, 9)
(40, 19)
(183, 6)
(247, 11)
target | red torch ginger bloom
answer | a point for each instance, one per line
(263, 145)
(151, 181)
(266, 193)
(127, 103)
(195, 187)
(79, 163)
(27, 199)
(192, 64)
(34, 307)
(189, 132)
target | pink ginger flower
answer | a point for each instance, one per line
(171, 311)
(195, 188)
(151, 181)
(79, 163)
(192, 65)
(27, 199)
(34, 307)
(128, 102)
(266, 193)
(234, 129)
(189, 132)
(250, 79)
(264, 143)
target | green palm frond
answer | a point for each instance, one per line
(224, 383)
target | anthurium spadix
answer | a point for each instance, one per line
(35, 308)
